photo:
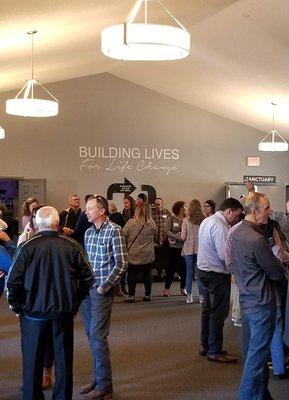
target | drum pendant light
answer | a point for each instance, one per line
(273, 141)
(145, 41)
(28, 105)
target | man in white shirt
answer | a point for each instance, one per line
(215, 278)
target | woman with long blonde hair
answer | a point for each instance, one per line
(190, 230)
(140, 233)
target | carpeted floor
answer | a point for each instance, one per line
(154, 351)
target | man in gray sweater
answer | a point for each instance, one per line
(256, 272)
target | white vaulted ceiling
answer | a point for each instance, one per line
(239, 60)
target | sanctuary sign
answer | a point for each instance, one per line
(259, 179)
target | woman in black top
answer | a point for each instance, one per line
(129, 208)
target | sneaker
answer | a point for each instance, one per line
(146, 298)
(189, 299)
(183, 292)
(237, 322)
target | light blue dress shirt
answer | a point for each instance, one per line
(212, 241)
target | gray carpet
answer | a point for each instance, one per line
(154, 351)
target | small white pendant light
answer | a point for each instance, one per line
(28, 105)
(2, 133)
(145, 41)
(273, 141)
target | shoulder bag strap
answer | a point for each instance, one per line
(135, 238)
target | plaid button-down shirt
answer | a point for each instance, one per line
(160, 218)
(106, 250)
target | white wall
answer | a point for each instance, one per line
(106, 111)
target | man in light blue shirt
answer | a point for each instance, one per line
(215, 278)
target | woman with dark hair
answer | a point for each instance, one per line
(190, 230)
(27, 208)
(140, 234)
(141, 198)
(129, 208)
(176, 261)
(209, 208)
(30, 229)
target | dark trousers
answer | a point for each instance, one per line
(176, 264)
(49, 353)
(216, 305)
(132, 273)
(161, 260)
(34, 334)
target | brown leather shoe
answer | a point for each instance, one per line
(222, 358)
(97, 394)
(47, 378)
(87, 388)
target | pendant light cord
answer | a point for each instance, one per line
(146, 11)
(137, 7)
(32, 55)
(32, 33)
(273, 105)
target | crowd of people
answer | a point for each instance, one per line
(78, 259)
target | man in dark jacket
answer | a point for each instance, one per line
(49, 278)
(256, 271)
(68, 218)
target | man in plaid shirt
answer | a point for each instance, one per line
(159, 215)
(106, 249)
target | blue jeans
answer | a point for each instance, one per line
(191, 263)
(96, 312)
(277, 345)
(257, 331)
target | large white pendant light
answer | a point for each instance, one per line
(28, 105)
(273, 141)
(145, 41)
(2, 133)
